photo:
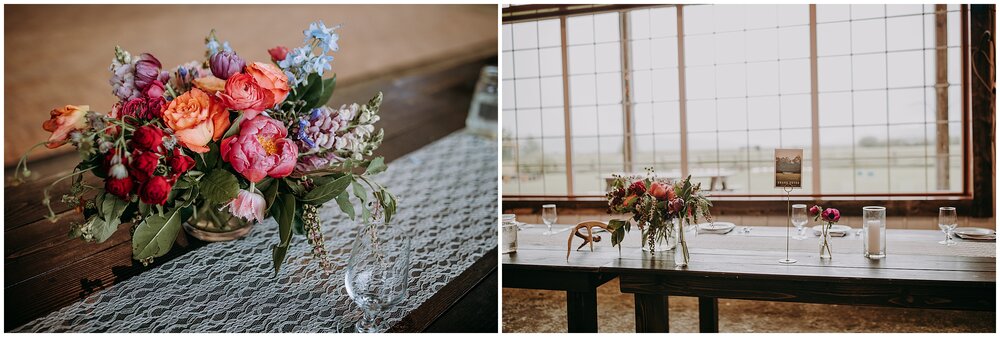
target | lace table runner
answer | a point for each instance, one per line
(447, 194)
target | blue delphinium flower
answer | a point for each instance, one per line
(323, 35)
(300, 62)
(213, 46)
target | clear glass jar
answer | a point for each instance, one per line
(483, 114)
(508, 233)
(873, 220)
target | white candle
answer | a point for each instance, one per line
(874, 237)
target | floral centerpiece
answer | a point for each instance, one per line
(830, 216)
(220, 144)
(659, 208)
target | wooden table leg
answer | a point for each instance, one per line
(651, 313)
(708, 314)
(581, 311)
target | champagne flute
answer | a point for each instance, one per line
(799, 219)
(947, 221)
(378, 272)
(549, 217)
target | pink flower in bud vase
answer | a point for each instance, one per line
(831, 215)
(278, 53)
(814, 211)
(248, 205)
(261, 149)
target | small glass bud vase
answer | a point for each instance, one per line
(824, 244)
(509, 226)
(873, 218)
(681, 256)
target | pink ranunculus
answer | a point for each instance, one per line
(831, 215)
(261, 149)
(243, 93)
(248, 205)
(658, 190)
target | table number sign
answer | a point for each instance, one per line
(788, 176)
(788, 168)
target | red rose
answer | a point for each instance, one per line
(179, 163)
(155, 191)
(278, 53)
(120, 187)
(637, 188)
(147, 138)
(143, 164)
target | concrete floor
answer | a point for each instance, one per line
(545, 311)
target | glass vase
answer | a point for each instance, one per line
(825, 252)
(658, 239)
(212, 225)
(681, 256)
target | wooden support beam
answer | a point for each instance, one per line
(982, 42)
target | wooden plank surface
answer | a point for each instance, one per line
(46, 270)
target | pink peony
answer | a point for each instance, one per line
(248, 205)
(260, 149)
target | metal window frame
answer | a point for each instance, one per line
(563, 12)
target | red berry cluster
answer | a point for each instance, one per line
(146, 154)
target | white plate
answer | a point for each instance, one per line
(835, 229)
(974, 231)
(716, 226)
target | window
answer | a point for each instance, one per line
(713, 96)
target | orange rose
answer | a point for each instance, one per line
(196, 119)
(210, 84)
(64, 120)
(271, 78)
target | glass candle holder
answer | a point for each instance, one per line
(873, 219)
(508, 228)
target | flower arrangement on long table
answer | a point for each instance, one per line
(223, 141)
(654, 205)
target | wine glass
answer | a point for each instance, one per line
(947, 221)
(549, 217)
(799, 219)
(378, 272)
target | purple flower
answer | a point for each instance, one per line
(147, 70)
(225, 64)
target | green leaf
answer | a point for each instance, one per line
(109, 217)
(219, 186)
(312, 91)
(234, 128)
(323, 193)
(344, 201)
(284, 212)
(155, 235)
(328, 85)
(270, 192)
(376, 166)
(213, 156)
(360, 192)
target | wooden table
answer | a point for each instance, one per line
(46, 270)
(745, 266)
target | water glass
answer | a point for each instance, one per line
(799, 218)
(483, 114)
(509, 234)
(873, 220)
(947, 221)
(377, 272)
(549, 217)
